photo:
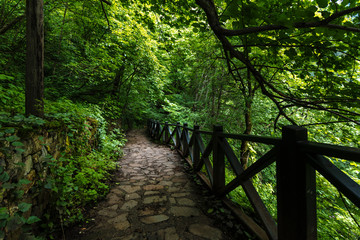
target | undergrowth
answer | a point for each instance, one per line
(75, 179)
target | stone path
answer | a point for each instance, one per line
(153, 198)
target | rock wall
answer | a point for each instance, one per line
(25, 167)
(25, 162)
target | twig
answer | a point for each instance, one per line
(103, 9)
(347, 208)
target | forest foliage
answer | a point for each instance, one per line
(251, 66)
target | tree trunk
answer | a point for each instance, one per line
(117, 80)
(248, 127)
(34, 79)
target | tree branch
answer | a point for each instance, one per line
(210, 9)
(107, 2)
(340, 14)
(267, 88)
(8, 26)
(103, 9)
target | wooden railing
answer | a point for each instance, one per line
(296, 159)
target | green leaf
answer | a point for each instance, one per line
(210, 210)
(12, 138)
(17, 144)
(24, 207)
(8, 185)
(20, 164)
(32, 219)
(4, 177)
(19, 194)
(24, 181)
(19, 150)
(4, 215)
(322, 3)
(5, 77)
(10, 130)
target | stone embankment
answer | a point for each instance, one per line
(153, 198)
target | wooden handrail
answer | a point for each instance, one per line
(296, 159)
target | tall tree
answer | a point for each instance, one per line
(34, 79)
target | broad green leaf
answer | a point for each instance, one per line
(32, 219)
(10, 130)
(17, 144)
(5, 77)
(24, 207)
(12, 138)
(24, 181)
(20, 164)
(19, 194)
(210, 210)
(4, 177)
(4, 215)
(19, 150)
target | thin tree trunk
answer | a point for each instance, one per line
(249, 97)
(34, 79)
(245, 153)
(117, 80)
(60, 37)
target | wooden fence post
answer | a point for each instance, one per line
(296, 189)
(177, 129)
(218, 162)
(153, 129)
(159, 129)
(183, 139)
(196, 148)
(156, 129)
(166, 133)
(151, 124)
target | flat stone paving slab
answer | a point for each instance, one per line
(154, 198)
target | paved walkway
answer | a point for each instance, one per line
(153, 198)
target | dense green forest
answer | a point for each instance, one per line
(251, 66)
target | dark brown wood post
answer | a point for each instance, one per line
(149, 126)
(183, 140)
(158, 130)
(166, 132)
(218, 162)
(177, 129)
(34, 77)
(152, 128)
(196, 148)
(296, 189)
(155, 129)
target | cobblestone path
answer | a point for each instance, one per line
(153, 198)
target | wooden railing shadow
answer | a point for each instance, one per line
(296, 159)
